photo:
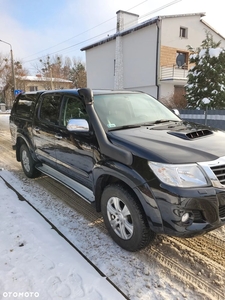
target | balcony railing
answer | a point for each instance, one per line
(173, 73)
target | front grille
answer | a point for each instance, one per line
(199, 133)
(219, 171)
(222, 211)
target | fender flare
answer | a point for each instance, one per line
(139, 187)
(28, 143)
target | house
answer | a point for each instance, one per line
(38, 82)
(33, 83)
(151, 56)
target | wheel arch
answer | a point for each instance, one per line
(19, 142)
(105, 180)
(140, 192)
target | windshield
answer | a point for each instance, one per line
(124, 110)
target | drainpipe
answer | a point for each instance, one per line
(157, 57)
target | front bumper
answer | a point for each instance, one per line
(190, 212)
(187, 212)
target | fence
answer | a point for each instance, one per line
(213, 118)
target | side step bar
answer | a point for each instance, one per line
(76, 187)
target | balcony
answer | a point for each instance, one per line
(173, 73)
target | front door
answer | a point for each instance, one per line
(74, 150)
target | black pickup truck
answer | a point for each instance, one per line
(144, 168)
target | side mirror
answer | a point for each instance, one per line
(79, 125)
(176, 112)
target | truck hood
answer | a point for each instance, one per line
(176, 142)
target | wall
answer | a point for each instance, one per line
(171, 42)
(139, 55)
(196, 32)
(140, 59)
(167, 56)
(166, 90)
(139, 62)
(100, 66)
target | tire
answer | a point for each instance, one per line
(27, 162)
(125, 219)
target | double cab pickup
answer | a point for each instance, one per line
(145, 169)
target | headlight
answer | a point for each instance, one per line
(179, 175)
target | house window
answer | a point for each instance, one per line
(33, 88)
(182, 60)
(183, 32)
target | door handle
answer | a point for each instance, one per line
(58, 136)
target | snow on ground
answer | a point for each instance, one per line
(36, 262)
(6, 112)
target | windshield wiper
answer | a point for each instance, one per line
(164, 121)
(124, 127)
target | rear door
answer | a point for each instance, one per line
(45, 128)
(22, 114)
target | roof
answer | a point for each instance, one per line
(140, 26)
(121, 33)
(42, 78)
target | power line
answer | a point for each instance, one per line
(68, 47)
(74, 45)
(160, 8)
(71, 38)
(81, 33)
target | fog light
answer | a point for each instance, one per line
(185, 217)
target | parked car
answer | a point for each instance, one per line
(144, 168)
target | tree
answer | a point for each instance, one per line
(78, 74)
(206, 78)
(6, 71)
(58, 67)
(51, 68)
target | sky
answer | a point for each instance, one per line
(36, 29)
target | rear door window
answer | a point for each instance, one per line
(25, 104)
(50, 108)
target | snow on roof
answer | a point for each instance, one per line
(121, 33)
(42, 78)
(201, 14)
